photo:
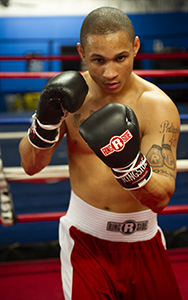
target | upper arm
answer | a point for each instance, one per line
(160, 136)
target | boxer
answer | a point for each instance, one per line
(121, 163)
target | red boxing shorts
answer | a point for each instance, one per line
(109, 256)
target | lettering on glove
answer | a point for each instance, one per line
(135, 175)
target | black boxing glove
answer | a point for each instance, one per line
(62, 94)
(112, 133)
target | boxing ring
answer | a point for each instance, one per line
(40, 279)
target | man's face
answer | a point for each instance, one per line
(109, 59)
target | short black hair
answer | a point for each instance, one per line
(105, 20)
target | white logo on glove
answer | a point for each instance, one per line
(117, 143)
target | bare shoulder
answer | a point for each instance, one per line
(85, 74)
(156, 108)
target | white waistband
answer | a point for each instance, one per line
(127, 227)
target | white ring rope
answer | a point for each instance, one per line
(21, 134)
(54, 173)
(12, 135)
(50, 173)
(184, 128)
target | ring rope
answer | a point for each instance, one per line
(38, 57)
(20, 134)
(19, 121)
(12, 135)
(55, 216)
(141, 73)
(49, 173)
(54, 173)
(140, 56)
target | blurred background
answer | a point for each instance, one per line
(36, 28)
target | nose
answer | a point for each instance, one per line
(110, 71)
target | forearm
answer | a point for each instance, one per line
(156, 193)
(33, 160)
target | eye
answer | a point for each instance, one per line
(99, 60)
(120, 58)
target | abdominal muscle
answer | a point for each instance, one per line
(94, 183)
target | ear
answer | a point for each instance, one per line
(136, 45)
(80, 51)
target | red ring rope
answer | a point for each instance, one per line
(55, 216)
(45, 57)
(140, 56)
(142, 73)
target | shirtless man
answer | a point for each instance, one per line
(111, 245)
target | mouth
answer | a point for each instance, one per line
(112, 86)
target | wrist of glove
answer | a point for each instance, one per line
(44, 136)
(134, 176)
(62, 94)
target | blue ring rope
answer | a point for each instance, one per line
(15, 120)
(184, 117)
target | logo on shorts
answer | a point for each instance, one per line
(127, 227)
(117, 143)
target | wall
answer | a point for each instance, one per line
(46, 35)
(21, 34)
(81, 7)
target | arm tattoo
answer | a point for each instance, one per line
(167, 128)
(77, 119)
(76, 122)
(158, 156)
(164, 172)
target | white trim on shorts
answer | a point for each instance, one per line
(111, 226)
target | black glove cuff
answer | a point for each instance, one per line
(136, 175)
(42, 138)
